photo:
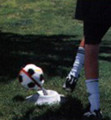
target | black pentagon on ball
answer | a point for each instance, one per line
(41, 77)
(31, 71)
(20, 78)
(31, 85)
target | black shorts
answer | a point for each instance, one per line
(94, 32)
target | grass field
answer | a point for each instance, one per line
(43, 32)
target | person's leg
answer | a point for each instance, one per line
(93, 35)
(91, 61)
(92, 75)
(74, 73)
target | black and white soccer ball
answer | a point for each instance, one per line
(31, 77)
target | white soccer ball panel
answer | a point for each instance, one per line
(33, 67)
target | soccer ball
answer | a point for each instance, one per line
(31, 77)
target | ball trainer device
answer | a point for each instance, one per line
(39, 99)
(31, 77)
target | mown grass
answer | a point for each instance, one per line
(42, 17)
(43, 32)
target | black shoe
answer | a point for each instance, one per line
(96, 115)
(70, 83)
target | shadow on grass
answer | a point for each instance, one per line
(71, 109)
(106, 118)
(105, 49)
(52, 53)
(18, 98)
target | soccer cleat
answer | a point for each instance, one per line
(96, 115)
(70, 83)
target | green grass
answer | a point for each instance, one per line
(43, 32)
